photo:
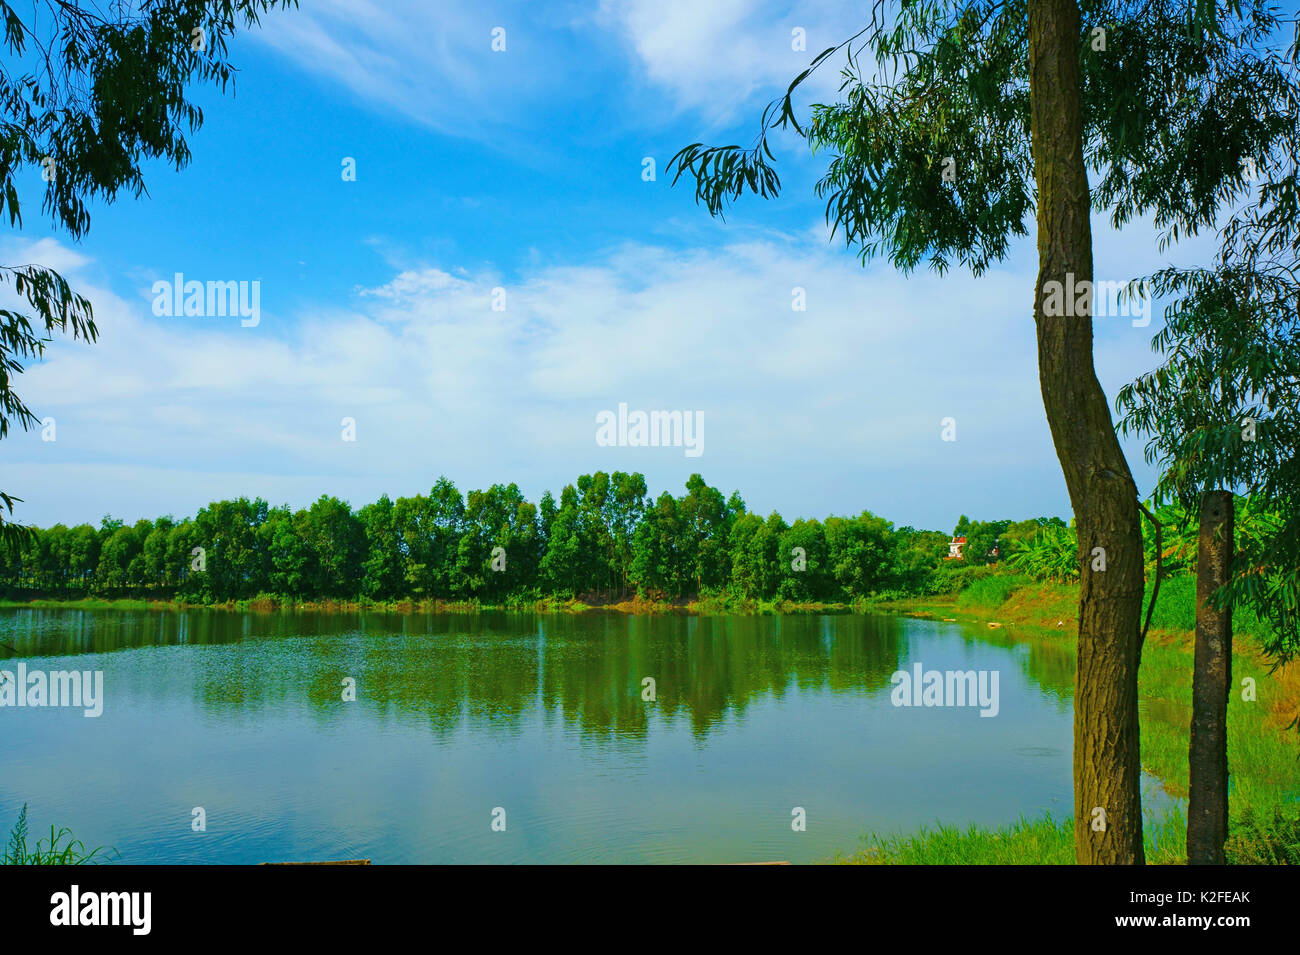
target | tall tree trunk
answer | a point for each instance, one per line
(1207, 809)
(1107, 765)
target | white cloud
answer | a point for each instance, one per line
(721, 57)
(433, 63)
(48, 253)
(835, 408)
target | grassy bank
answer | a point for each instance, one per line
(275, 604)
(1262, 750)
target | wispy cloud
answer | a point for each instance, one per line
(719, 58)
(433, 63)
(836, 407)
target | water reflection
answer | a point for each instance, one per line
(458, 713)
(490, 667)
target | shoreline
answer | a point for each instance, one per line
(633, 605)
(1263, 751)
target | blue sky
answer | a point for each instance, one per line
(522, 170)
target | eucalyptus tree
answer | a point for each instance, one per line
(1222, 415)
(756, 561)
(661, 564)
(89, 92)
(956, 120)
(627, 502)
(382, 571)
(565, 560)
(706, 526)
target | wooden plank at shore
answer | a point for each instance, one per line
(328, 862)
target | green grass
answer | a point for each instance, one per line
(88, 603)
(1272, 839)
(1044, 841)
(1176, 609)
(991, 591)
(1264, 772)
(267, 603)
(61, 849)
(1257, 839)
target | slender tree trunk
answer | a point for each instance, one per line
(1107, 765)
(1207, 809)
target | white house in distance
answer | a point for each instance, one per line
(954, 548)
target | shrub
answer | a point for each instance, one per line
(1264, 841)
(62, 849)
(1051, 554)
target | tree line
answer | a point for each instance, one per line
(604, 537)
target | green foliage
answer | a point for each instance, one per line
(60, 849)
(603, 540)
(1045, 841)
(1257, 839)
(1180, 95)
(755, 555)
(990, 591)
(89, 95)
(982, 539)
(861, 553)
(1051, 554)
(1222, 412)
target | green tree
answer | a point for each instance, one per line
(706, 523)
(562, 565)
(158, 571)
(1051, 554)
(1222, 414)
(755, 561)
(626, 504)
(336, 538)
(1023, 99)
(92, 93)
(382, 571)
(917, 555)
(83, 554)
(982, 542)
(181, 542)
(659, 567)
(118, 551)
(861, 552)
(804, 562)
(500, 517)
(227, 532)
(291, 561)
(599, 548)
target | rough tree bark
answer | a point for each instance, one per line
(1107, 765)
(1207, 808)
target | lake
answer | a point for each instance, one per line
(536, 720)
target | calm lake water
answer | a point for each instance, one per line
(540, 715)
